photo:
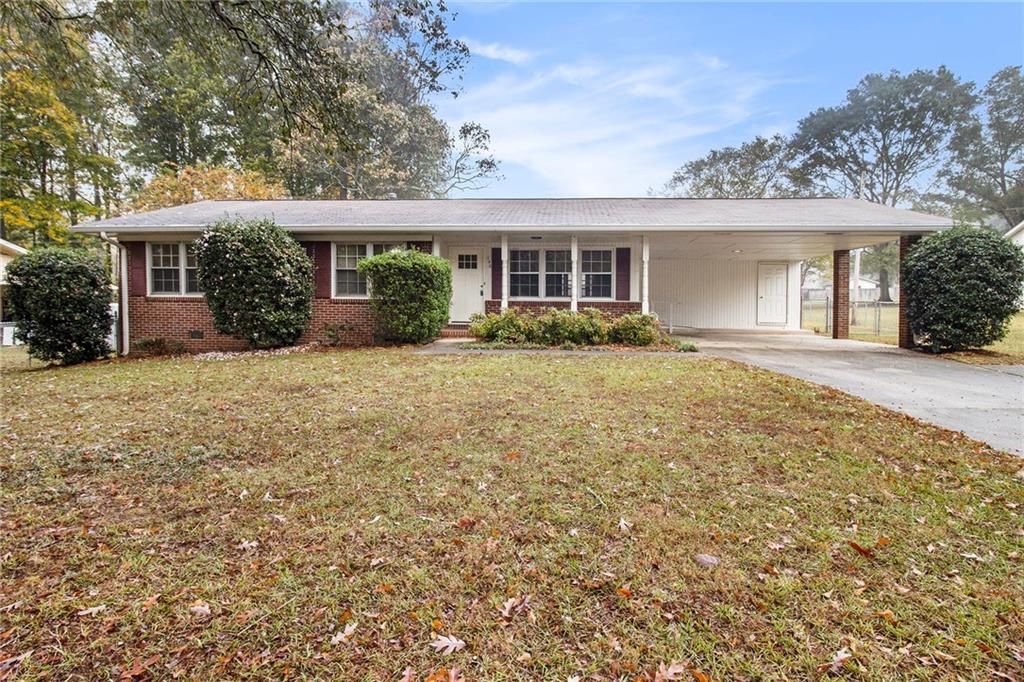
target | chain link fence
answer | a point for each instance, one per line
(869, 320)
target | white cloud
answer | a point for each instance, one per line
(597, 128)
(498, 52)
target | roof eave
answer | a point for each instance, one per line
(322, 229)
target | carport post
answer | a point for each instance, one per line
(574, 280)
(645, 289)
(504, 272)
(841, 294)
(906, 337)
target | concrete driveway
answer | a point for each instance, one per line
(983, 402)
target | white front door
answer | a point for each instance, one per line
(467, 283)
(771, 293)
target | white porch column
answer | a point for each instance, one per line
(435, 247)
(574, 279)
(504, 272)
(645, 301)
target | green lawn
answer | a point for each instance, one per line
(228, 519)
(885, 329)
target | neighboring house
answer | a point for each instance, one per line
(699, 263)
(1016, 235)
(8, 252)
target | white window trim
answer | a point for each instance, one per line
(614, 272)
(369, 254)
(181, 272)
(542, 273)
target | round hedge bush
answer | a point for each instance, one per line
(410, 293)
(963, 286)
(258, 281)
(60, 299)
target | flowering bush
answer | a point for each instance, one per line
(60, 298)
(258, 281)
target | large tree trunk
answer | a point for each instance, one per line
(883, 286)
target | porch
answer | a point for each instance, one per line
(703, 280)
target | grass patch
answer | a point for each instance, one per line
(230, 518)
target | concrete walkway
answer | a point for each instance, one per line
(985, 402)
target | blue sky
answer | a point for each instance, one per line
(607, 99)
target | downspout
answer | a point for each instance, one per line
(122, 291)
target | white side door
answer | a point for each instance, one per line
(467, 283)
(771, 294)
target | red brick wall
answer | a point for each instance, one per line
(174, 317)
(614, 308)
(841, 295)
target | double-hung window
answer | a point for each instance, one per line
(558, 273)
(347, 280)
(596, 273)
(173, 270)
(524, 272)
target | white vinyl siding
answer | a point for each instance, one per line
(712, 294)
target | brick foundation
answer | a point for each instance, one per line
(840, 294)
(178, 318)
(613, 308)
(906, 337)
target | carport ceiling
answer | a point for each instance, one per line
(760, 245)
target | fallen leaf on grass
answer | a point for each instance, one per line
(408, 676)
(514, 605)
(247, 545)
(699, 675)
(624, 525)
(624, 592)
(447, 645)
(93, 610)
(513, 455)
(674, 671)
(863, 551)
(139, 668)
(200, 608)
(443, 675)
(150, 602)
(706, 560)
(345, 635)
(838, 660)
(886, 615)
(466, 522)
(14, 661)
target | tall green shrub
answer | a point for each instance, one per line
(258, 281)
(964, 285)
(410, 293)
(60, 299)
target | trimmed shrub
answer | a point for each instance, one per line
(60, 299)
(964, 285)
(636, 329)
(510, 326)
(160, 345)
(410, 293)
(559, 327)
(258, 281)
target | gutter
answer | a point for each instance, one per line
(122, 290)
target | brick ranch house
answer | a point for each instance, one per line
(701, 263)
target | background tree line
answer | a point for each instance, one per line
(108, 106)
(925, 140)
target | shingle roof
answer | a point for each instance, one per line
(460, 214)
